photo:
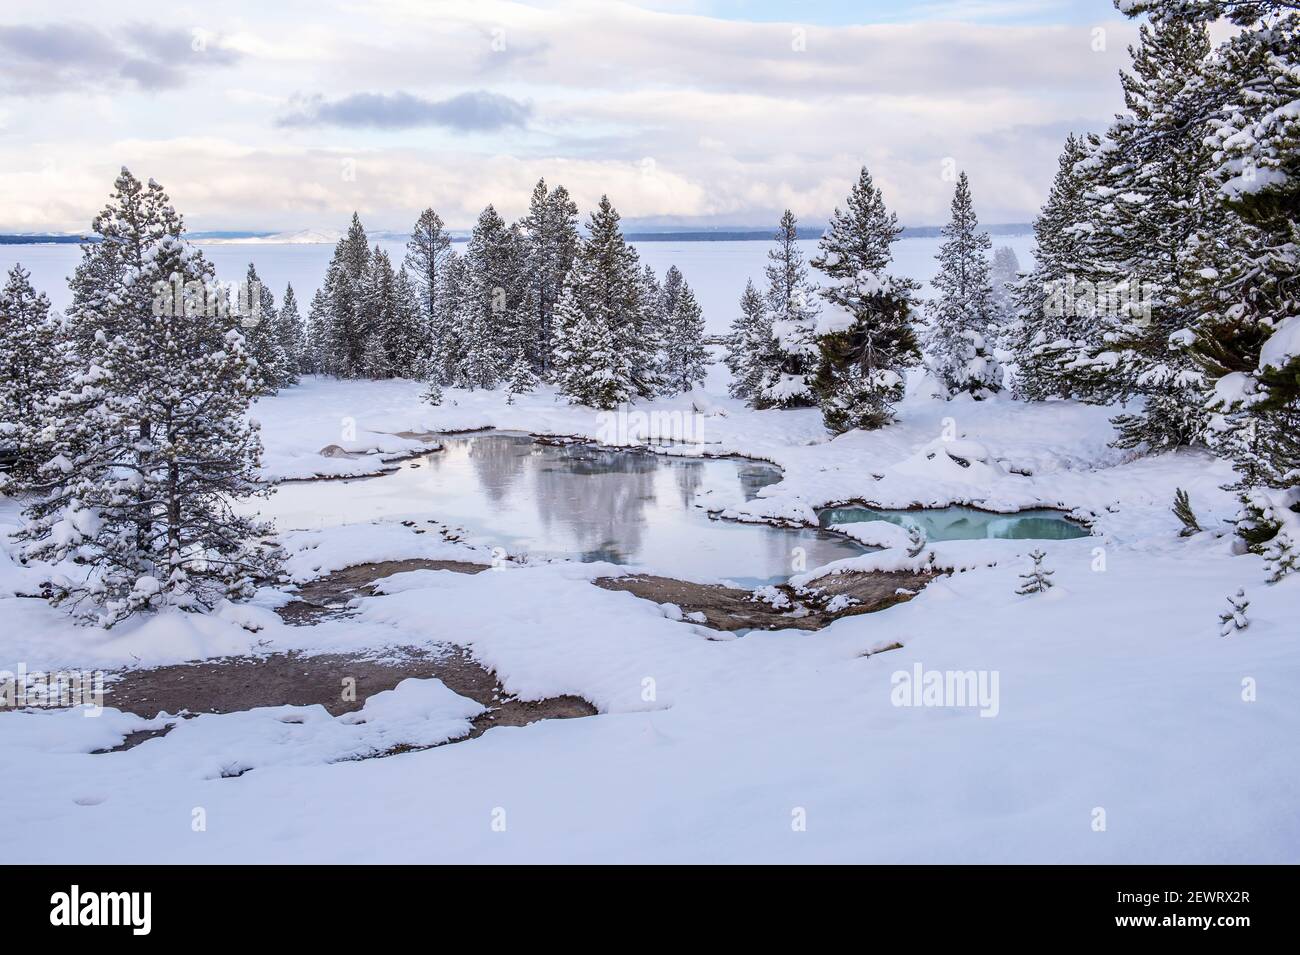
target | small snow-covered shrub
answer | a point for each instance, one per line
(1038, 580)
(1234, 618)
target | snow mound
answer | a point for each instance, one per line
(964, 461)
(874, 533)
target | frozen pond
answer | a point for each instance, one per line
(964, 523)
(577, 502)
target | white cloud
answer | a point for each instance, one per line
(739, 123)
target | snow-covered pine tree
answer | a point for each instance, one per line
(407, 330)
(1247, 333)
(396, 346)
(432, 393)
(34, 357)
(866, 339)
(376, 308)
(1039, 578)
(521, 379)
(489, 319)
(346, 335)
(289, 330)
(316, 341)
(1045, 325)
(600, 313)
(150, 443)
(426, 253)
(549, 240)
(259, 322)
(790, 362)
(1004, 272)
(1140, 216)
(1234, 618)
(645, 336)
(448, 360)
(685, 359)
(961, 317)
(751, 349)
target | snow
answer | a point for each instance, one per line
(1282, 346)
(1115, 690)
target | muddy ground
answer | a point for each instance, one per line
(730, 608)
(328, 596)
(233, 684)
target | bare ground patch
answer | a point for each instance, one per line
(328, 595)
(731, 608)
(234, 684)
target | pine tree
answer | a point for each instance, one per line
(1004, 273)
(586, 365)
(790, 362)
(1039, 579)
(1234, 618)
(1242, 270)
(149, 442)
(316, 343)
(448, 360)
(685, 360)
(346, 335)
(645, 337)
(751, 349)
(601, 312)
(1046, 325)
(1152, 204)
(521, 379)
(961, 317)
(1186, 516)
(407, 347)
(377, 303)
(259, 322)
(34, 356)
(489, 319)
(549, 241)
(432, 393)
(867, 339)
(289, 331)
(427, 252)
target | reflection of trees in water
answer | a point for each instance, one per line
(689, 475)
(754, 477)
(600, 497)
(499, 460)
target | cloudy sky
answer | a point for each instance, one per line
(289, 115)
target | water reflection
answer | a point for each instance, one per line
(576, 502)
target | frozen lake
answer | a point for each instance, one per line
(575, 502)
(717, 271)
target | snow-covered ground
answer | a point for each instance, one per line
(1108, 720)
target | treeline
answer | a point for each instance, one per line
(844, 344)
(525, 302)
(124, 422)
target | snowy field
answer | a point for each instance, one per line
(1113, 723)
